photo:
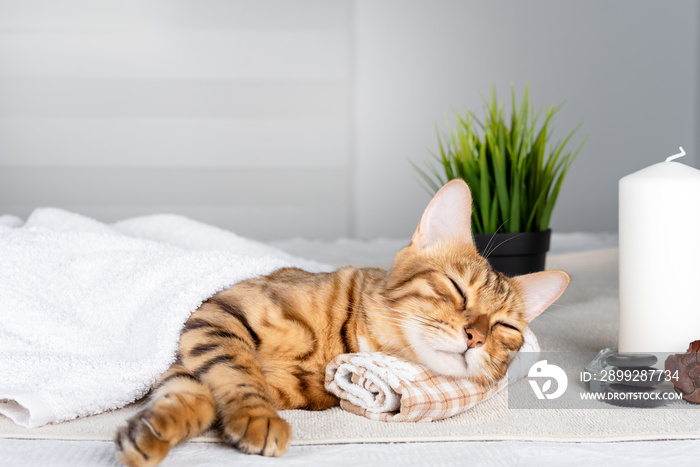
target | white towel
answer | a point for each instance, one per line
(371, 381)
(8, 221)
(90, 314)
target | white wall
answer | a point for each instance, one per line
(232, 112)
(278, 118)
(629, 69)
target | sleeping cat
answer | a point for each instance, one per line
(263, 345)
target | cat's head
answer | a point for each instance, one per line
(447, 307)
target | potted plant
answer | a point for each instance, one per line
(514, 176)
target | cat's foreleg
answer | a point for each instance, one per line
(229, 366)
(247, 418)
(180, 408)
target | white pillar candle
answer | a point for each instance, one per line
(659, 224)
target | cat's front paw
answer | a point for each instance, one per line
(258, 433)
(138, 444)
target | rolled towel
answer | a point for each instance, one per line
(385, 388)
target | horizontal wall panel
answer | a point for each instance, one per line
(260, 223)
(233, 112)
(173, 14)
(241, 55)
(105, 187)
(134, 98)
(273, 144)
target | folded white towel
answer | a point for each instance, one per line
(90, 315)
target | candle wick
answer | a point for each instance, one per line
(676, 156)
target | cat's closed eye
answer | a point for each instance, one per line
(505, 325)
(461, 293)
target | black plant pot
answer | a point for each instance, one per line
(515, 254)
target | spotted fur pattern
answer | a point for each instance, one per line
(263, 345)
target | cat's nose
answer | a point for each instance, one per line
(474, 337)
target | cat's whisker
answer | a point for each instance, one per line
(419, 313)
(487, 253)
(420, 320)
(402, 322)
(416, 310)
(407, 320)
(562, 307)
(503, 242)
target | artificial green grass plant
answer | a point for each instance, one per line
(513, 175)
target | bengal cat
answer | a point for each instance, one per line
(263, 345)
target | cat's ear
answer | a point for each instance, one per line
(541, 289)
(447, 218)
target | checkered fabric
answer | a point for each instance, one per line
(385, 388)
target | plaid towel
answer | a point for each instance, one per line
(385, 388)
